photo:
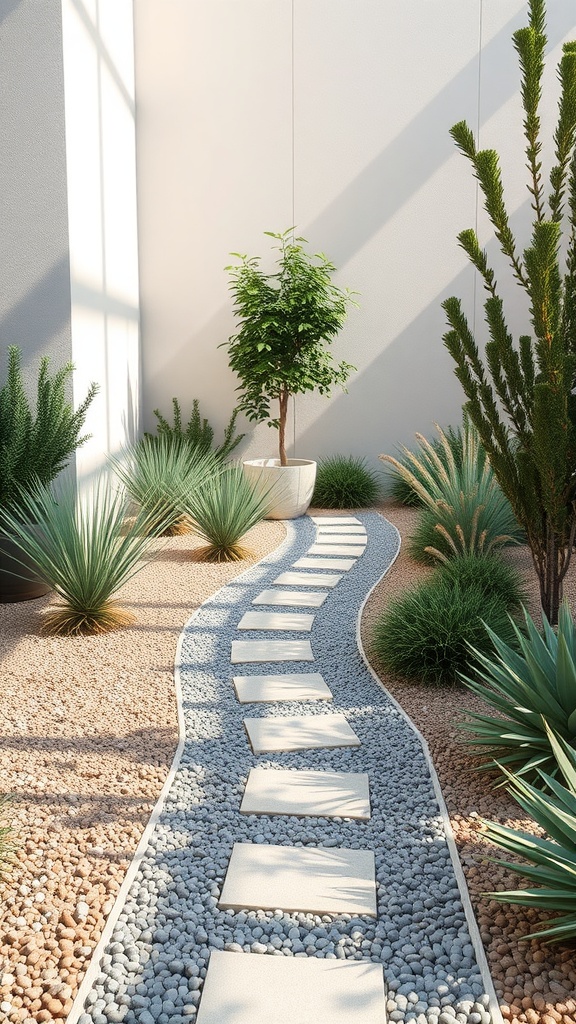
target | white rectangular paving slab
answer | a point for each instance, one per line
(299, 732)
(276, 620)
(307, 579)
(292, 686)
(291, 598)
(252, 989)
(336, 549)
(357, 542)
(341, 531)
(271, 650)
(302, 792)
(310, 879)
(335, 520)
(343, 564)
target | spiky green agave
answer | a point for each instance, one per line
(552, 860)
(157, 471)
(464, 510)
(223, 510)
(83, 549)
(530, 688)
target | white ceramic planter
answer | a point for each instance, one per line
(290, 486)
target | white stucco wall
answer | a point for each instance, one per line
(332, 115)
(98, 48)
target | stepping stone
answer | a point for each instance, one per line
(271, 650)
(292, 686)
(335, 520)
(291, 598)
(305, 793)
(325, 563)
(299, 732)
(276, 620)
(342, 531)
(344, 540)
(335, 549)
(307, 579)
(308, 879)
(291, 990)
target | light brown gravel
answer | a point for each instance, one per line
(88, 730)
(536, 983)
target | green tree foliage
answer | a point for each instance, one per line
(286, 321)
(519, 395)
(35, 446)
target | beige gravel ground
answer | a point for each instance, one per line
(88, 731)
(536, 984)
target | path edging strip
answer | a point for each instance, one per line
(89, 978)
(473, 929)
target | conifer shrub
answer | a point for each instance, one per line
(345, 481)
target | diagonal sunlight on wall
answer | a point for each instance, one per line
(100, 154)
(338, 120)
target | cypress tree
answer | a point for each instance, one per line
(521, 395)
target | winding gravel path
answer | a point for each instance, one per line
(154, 965)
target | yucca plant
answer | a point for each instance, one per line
(83, 548)
(552, 860)
(223, 510)
(157, 471)
(464, 510)
(531, 688)
(345, 481)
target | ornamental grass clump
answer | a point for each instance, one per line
(549, 862)
(464, 510)
(156, 472)
(345, 481)
(532, 689)
(85, 550)
(425, 633)
(223, 510)
(401, 488)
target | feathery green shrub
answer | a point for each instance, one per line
(197, 433)
(425, 633)
(36, 445)
(464, 509)
(345, 481)
(157, 471)
(551, 860)
(223, 510)
(83, 548)
(533, 689)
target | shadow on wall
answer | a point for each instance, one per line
(412, 363)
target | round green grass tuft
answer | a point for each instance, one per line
(423, 635)
(345, 481)
(489, 572)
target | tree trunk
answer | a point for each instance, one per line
(283, 400)
(551, 568)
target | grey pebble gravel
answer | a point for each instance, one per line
(153, 968)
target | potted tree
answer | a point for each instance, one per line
(34, 447)
(287, 320)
